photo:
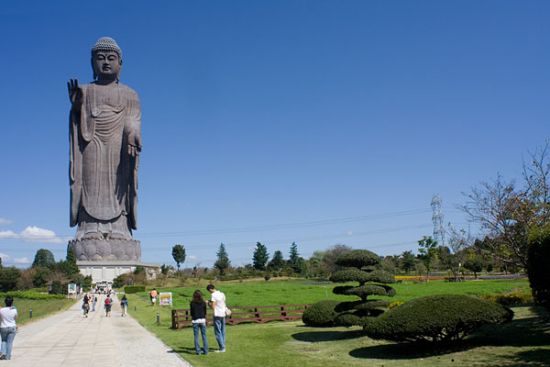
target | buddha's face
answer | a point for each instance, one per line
(106, 64)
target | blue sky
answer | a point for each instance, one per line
(320, 122)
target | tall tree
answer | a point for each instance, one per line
(178, 253)
(294, 256)
(8, 278)
(507, 212)
(222, 263)
(68, 267)
(408, 261)
(44, 259)
(427, 247)
(296, 262)
(277, 262)
(260, 257)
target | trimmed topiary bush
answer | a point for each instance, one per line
(360, 268)
(321, 313)
(439, 318)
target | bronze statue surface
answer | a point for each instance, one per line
(105, 143)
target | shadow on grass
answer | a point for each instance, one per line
(535, 358)
(323, 335)
(531, 331)
(407, 351)
(183, 350)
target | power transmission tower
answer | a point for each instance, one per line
(437, 218)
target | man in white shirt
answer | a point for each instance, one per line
(217, 303)
(8, 327)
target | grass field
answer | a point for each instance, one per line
(40, 308)
(524, 341)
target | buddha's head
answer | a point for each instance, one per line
(106, 59)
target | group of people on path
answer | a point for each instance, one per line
(198, 307)
(8, 327)
(107, 303)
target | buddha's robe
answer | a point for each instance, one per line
(103, 174)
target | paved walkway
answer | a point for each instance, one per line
(68, 339)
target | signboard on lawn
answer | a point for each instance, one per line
(165, 298)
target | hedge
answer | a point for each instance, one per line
(440, 318)
(134, 289)
(31, 295)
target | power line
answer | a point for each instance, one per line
(311, 238)
(284, 225)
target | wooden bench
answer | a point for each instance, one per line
(259, 314)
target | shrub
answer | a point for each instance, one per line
(8, 278)
(372, 282)
(514, 298)
(440, 318)
(537, 265)
(357, 259)
(361, 276)
(395, 304)
(35, 295)
(58, 287)
(134, 289)
(321, 313)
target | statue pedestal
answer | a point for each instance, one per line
(106, 250)
(106, 271)
(105, 259)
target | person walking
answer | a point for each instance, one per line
(108, 304)
(198, 319)
(8, 327)
(153, 296)
(217, 303)
(94, 302)
(85, 305)
(124, 305)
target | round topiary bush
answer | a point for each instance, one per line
(321, 313)
(357, 259)
(439, 318)
(357, 275)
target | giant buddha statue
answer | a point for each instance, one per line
(105, 144)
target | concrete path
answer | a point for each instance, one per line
(70, 340)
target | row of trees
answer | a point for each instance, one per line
(45, 272)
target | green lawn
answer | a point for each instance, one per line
(524, 341)
(40, 308)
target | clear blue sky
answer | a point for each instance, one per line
(320, 122)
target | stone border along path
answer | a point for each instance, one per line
(70, 340)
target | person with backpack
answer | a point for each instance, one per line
(108, 304)
(85, 305)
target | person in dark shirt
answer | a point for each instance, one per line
(198, 317)
(85, 305)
